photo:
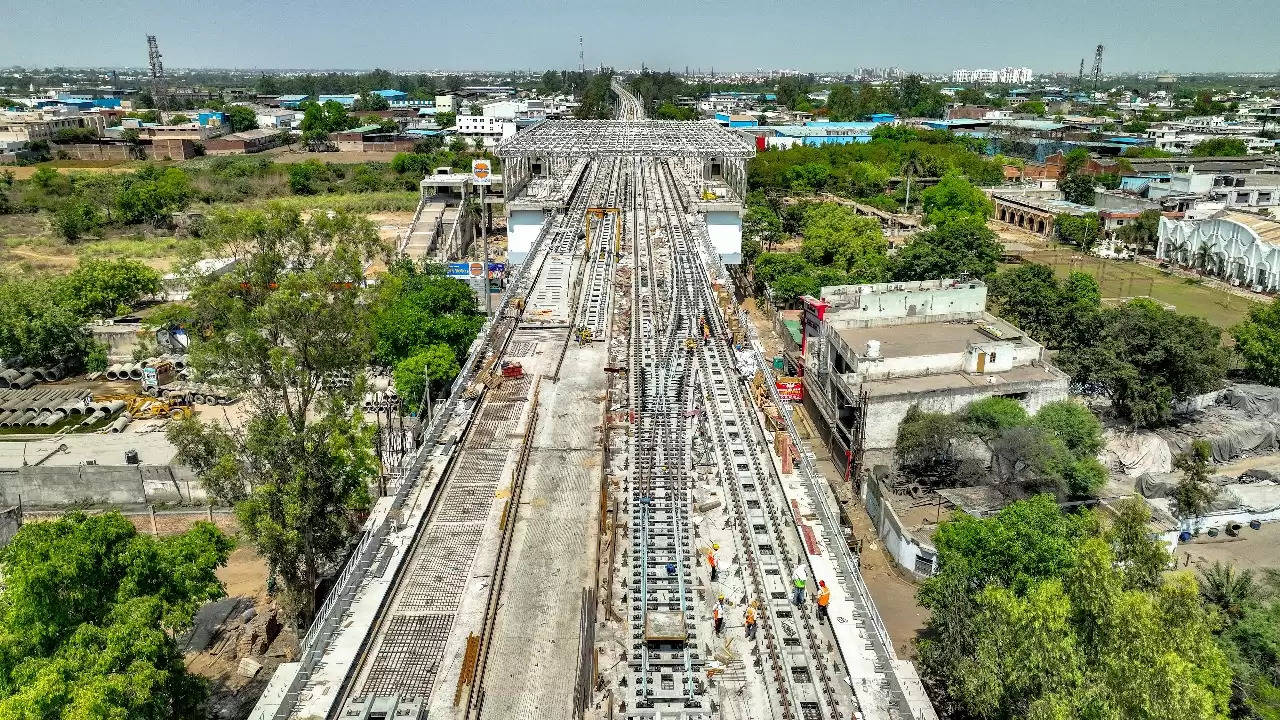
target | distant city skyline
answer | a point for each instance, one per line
(931, 36)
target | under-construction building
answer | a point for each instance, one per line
(871, 352)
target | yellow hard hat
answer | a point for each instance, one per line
(715, 546)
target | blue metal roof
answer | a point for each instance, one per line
(292, 98)
(388, 94)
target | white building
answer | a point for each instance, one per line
(277, 118)
(1006, 75)
(21, 127)
(1242, 248)
(871, 352)
(484, 129)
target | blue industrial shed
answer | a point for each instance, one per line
(392, 94)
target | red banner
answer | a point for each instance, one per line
(790, 388)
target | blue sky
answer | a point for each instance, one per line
(926, 35)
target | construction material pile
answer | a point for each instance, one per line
(44, 408)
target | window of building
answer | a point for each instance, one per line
(1242, 197)
(1264, 198)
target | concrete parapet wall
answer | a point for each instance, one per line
(910, 553)
(54, 486)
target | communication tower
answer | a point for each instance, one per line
(157, 71)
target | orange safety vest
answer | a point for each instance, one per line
(715, 613)
(711, 560)
(751, 616)
(824, 597)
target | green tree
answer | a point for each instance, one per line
(930, 447)
(76, 219)
(445, 119)
(960, 247)
(1140, 555)
(91, 609)
(671, 111)
(1193, 493)
(1077, 188)
(761, 224)
(1143, 233)
(36, 327)
(1031, 107)
(1030, 616)
(241, 118)
(991, 416)
(152, 194)
(1143, 357)
(366, 101)
(1257, 340)
(954, 198)
(1228, 589)
(835, 235)
(100, 287)
(417, 309)
(1074, 423)
(1221, 147)
(437, 363)
(842, 104)
(1083, 231)
(291, 315)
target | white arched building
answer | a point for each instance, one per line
(1241, 248)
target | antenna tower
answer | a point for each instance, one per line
(1097, 68)
(582, 64)
(1080, 78)
(157, 71)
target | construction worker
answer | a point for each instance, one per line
(717, 615)
(712, 562)
(749, 621)
(824, 599)
(797, 580)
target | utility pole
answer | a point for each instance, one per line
(484, 240)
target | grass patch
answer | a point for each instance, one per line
(1118, 279)
(352, 202)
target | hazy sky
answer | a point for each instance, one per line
(927, 35)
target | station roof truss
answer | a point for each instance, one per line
(601, 138)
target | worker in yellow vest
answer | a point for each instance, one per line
(749, 622)
(824, 599)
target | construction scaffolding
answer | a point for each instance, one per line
(553, 140)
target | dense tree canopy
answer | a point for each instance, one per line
(90, 608)
(955, 198)
(964, 247)
(1257, 341)
(1031, 617)
(1052, 451)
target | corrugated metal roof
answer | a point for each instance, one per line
(1267, 230)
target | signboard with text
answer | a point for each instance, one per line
(459, 270)
(790, 388)
(481, 171)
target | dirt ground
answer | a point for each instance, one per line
(24, 172)
(1251, 550)
(290, 154)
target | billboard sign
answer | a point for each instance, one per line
(481, 171)
(459, 270)
(790, 388)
